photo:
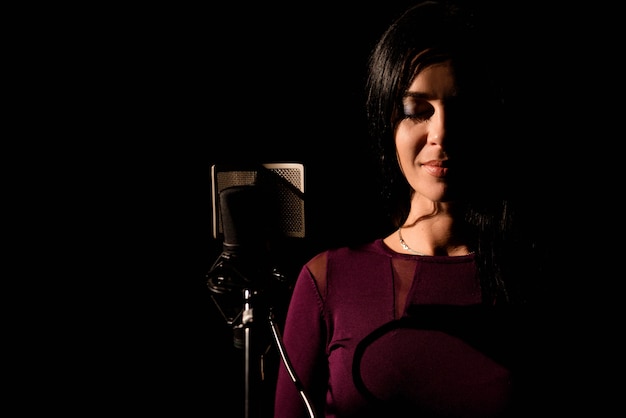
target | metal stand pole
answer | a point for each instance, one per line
(250, 360)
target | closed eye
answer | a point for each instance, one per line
(417, 109)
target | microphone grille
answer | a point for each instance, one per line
(282, 184)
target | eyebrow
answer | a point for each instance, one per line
(416, 95)
(422, 95)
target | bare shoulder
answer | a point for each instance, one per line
(317, 265)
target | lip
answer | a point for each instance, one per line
(435, 168)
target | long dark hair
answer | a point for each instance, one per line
(425, 34)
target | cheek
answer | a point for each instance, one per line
(409, 141)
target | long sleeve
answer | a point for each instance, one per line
(304, 337)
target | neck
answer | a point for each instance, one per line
(431, 228)
(436, 235)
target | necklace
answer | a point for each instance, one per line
(404, 244)
(411, 250)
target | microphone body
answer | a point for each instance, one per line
(245, 258)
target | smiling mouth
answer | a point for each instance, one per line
(435, 168)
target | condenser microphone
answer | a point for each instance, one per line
(257, 212)
(254, 208)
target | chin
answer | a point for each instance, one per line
(432, 197)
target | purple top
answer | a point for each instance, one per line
(369, 329)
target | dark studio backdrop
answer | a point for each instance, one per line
(189, 87)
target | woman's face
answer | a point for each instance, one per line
(421, 137)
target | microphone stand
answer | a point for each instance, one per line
(250, 367)
(221, 279)
(224, 281)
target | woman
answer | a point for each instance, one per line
(423, 322)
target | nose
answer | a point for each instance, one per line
(437, 126)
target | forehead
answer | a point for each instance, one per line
(435, 80)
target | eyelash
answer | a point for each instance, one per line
(419, 116)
